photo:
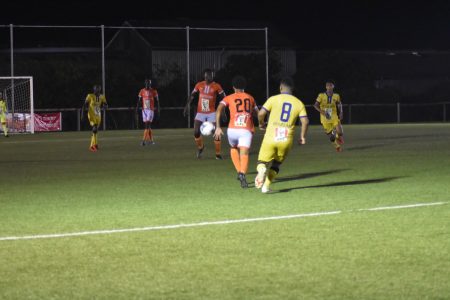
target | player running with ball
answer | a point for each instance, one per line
(240, 129)
(284, 111)
(208, 92)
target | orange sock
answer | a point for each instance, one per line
(218, 146)
(150, 134)
(199, 142)
(244, 163)
(235, 158)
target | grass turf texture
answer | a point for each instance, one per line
(51, 183)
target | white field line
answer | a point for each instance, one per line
(223, 222)
(402, 206)
(151, 228)
(109, 138)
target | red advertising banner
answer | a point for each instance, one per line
(47, 122)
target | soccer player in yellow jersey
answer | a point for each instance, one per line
(329, 105)
(284, 111)
(3, 111)
(95, 102)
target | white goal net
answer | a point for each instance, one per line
(17, 92)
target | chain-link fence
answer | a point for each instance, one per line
(66, 61)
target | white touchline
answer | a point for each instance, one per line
(402, 206)
(223, 222)
(150, 228)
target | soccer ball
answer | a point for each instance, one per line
(207, 128)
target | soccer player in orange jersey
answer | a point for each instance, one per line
(147, 97)
(241, 128)
(208, 92)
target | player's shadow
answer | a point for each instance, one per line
(402, 137)
(364, 147)
(308, 175)
(340, 183)
(303, 176)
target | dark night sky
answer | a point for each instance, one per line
(358, 25)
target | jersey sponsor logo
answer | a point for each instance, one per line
(241, 120)
(281, 134)
(205, 104)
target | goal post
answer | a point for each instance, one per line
(18, 94)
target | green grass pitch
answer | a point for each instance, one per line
(51, 183)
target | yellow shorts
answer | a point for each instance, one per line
(2, 119)
(329, 126)
(94, 120)
(274, 151)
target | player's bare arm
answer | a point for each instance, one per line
(219, 132)
(317, 107)
(220, 97)
(83, 107)
(189, 102)
(341, 111)
(137, 104)
(157, 105)
(304, 121)
(262, 119)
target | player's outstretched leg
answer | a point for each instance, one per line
(332, 136)
(198, 138)
(340, 134)
(234, 153)
(243, 166)
(271, 174)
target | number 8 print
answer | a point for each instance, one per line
(286, 112)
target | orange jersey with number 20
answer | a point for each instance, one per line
(241, 106)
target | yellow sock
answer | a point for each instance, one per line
(92, 140)
(336, 143)
(5, 129)
(270, 177)
(95, 139)
(261, 168)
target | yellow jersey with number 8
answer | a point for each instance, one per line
(284, 110)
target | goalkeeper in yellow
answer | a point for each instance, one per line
(329, 105)
(94, 103)
(3, 111)
(284, 111)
